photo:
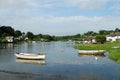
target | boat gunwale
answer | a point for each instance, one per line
(30, 56)
(91, 52)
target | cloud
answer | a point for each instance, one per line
(9, 3)
(52, 3)
(38, 15)
(91, 4)
(62, 25)
(87, 4)
(18, 4)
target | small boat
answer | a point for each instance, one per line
(30, 56)
(91, 52)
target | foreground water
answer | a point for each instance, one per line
(62, 63)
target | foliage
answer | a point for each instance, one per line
(104, 32)
(117, 30)
(47, 37)
(77, 37)
(17, 33)
(90, 33)
(30, 35)
(100, 39)
(6, 31)
(9, 31)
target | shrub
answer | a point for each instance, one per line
(100, 39)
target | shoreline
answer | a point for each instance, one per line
(113, 52)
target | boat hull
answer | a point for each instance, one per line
(91, 52)
(30, 56)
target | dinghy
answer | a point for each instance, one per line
(91, 52)
(30, 56)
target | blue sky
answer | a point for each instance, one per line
(60, 17)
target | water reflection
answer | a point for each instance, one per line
(91, 76)
(94, 59)
(38, 62)
(6, 45)
(80, 55)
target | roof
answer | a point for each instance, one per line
(114, 34)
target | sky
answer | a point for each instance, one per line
(60, 17)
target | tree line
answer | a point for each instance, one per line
(9, 31)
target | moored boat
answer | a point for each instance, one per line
(30, 56)
(91, 52)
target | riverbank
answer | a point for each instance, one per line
(114, 53)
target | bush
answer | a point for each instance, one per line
(100, 39)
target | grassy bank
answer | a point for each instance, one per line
(114, 52)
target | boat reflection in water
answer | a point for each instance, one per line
(38, 62)
(80, 55)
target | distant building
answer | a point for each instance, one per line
(9, 39)
(19, 38)
(26, 38)
(113, 37)
(89, 39)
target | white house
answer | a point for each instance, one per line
(90, 39)
(113, 37)
(10, 39)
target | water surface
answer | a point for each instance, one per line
(62, 63)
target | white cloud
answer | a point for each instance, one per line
(27, 15)
(52, 3)
(62, 25)
(9, 3)
(18, 4)
(90, 4)
(87, 4)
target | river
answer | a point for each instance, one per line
(62, 63)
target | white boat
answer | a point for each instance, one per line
(30, 56)
(91, 52)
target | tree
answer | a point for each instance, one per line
(117, 30)
(90, 33)
(100, 39)
(104, 32)
(47, 37)
(6, 31)
(17, 33)
(30, 35)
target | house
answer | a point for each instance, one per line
(113, 37)
(19, 38)
(89, 39)
(9, 39)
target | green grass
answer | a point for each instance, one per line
(114, 53)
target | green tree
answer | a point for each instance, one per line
(17, 33)
(117, 30)
(47, 37)
(6, 31)
(30, 35)
(104, 32)
(100, 39)
(90, 33)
